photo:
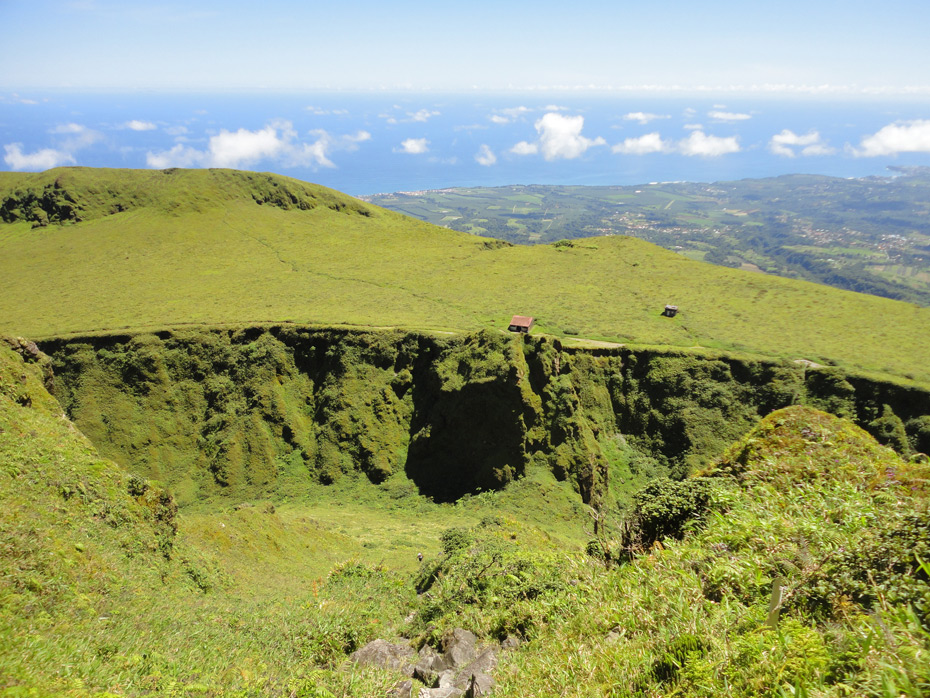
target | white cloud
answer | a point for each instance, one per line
(559, 138)
(509, 114)
(76, 136)
(693, 127)
(137, 125)
(71, 137)
(423, 115)
(413, 146)
(728, 116)
(784, 143)
(277, 141)
(39, 160)
(320, 111)
(485, 156)
(901, 137)
(243, 147)
(650, 143)
(18, 100)
(525, 148)
(699, 143)
(178, 156)
(644, 117)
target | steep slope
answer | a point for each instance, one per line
(269, 410)
(800, 570)
(158, 249)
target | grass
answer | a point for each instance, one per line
(188, 255)
(106, 591)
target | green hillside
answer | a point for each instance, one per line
(795, 567)
(84, 250)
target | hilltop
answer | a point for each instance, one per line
(90, 250)
(867, 235)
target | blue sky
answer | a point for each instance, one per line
(717, 46)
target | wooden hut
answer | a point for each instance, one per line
(670, 311)
(520, 323)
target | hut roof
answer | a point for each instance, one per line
(521, 320)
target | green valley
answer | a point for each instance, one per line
(259, 438)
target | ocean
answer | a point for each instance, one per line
(366, 143)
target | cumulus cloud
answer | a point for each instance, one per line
(559, 138)
(650, 143)
(699, 143)
(43, 159)
(525, 148)
(644, 117)
(508, 115)
(137, 125)
(900, 137)
(413, 146)
(69, 138)
(421, 116)
(786, 142)
(75, 136)
(728, 116)
(277, 141)
(485, 156)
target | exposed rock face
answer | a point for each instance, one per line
(222, 410)
(387, 655)
(462, 668)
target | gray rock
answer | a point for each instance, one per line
(429, 666)
(385, 654)
(402, 689)
(484, 663)
(448, 678)
(479, 685)
(511, 642)
(458, 647)
(448, 692)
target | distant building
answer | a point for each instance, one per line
(670, 311)
(520, 323)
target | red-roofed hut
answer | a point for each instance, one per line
(520, 323)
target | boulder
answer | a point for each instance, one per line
(480, 685)
(447, 692)
(458, 647)
(385, 654)
(402, 689)
(429, 666)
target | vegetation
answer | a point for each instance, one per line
(106, 591)
(252, 412)
(866, 235)
(236, 508)
(197, 248)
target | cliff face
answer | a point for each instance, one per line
(248, 411)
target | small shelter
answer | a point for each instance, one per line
(670, 311)
(520, 323)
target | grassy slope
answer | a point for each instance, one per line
(99, 597)
(196, 248)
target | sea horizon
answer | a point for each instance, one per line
(369, 142)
